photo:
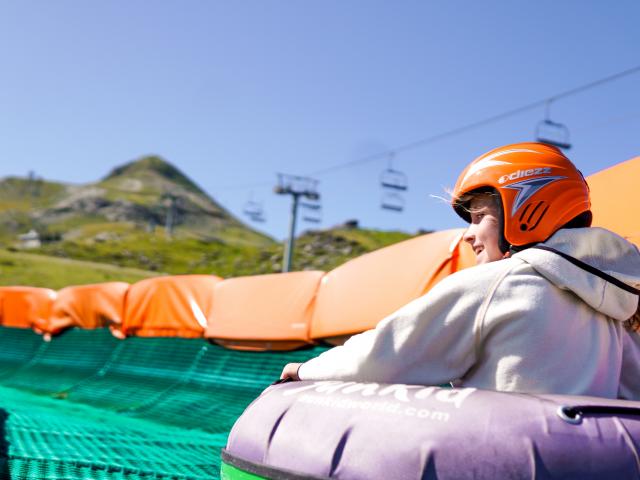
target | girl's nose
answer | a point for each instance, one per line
(469, 236)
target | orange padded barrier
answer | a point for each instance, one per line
(264, 312)
(173, 306)
(25, 307)
(613, 196)
(86, 306)
(358, 294)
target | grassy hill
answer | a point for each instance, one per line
(18, 268)
(148, 216)
(319, 250)
(133, 198)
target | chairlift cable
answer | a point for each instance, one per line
(477, 124)
(453, 132)
(547, 109)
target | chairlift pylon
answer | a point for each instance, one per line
(392, 201)
(552, 133)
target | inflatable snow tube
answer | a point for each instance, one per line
(350, 430)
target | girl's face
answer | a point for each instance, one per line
(483, 233)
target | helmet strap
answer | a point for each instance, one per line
(513, 249)
(503, 245)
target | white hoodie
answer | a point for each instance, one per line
(535, 322)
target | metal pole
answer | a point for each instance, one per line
(170, 219)
(288, 251)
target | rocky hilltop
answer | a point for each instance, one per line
(140, 195)
(148, 215)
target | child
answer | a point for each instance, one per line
(550, 307)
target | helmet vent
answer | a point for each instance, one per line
(535, 216)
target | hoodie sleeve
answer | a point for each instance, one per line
(432, 340)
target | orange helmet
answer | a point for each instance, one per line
(541, 190)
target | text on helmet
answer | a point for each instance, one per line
(525, 173)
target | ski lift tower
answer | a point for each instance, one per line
(297, 187)
(170, 200)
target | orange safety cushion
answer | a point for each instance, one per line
(355, 296)
(25, 307)
(264, 312)
(87, 306)
(613, 195)
(172, 306)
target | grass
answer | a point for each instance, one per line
(155, 252)
(373, 239)
(23, 194)
(142, 255)
(153, 167)
(320, 250)
(18, 268)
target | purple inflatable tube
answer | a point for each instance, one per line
(348, 430)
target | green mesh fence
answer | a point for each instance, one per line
(140, 408)
(64, 362)
(17, 347)
(48, 439)
(138, 370)
(219, 387)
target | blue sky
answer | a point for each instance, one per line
(233, 92)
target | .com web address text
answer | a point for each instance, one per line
(393, 408)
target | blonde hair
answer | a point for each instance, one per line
(633, 324)
(465, 200)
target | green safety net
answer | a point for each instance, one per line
(89, 406)
(49, 439)
(17, 347)
(138, 370)
(64, 362)
(219, 387)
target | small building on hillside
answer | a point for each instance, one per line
(31, 239)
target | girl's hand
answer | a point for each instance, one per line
(290, 371)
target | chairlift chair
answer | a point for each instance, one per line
(312, 212)
(553, 133)
(392, 201)
(254, 211)
(394, 179)
(550, 132)
(310, 219)
(311, 206)
(257, 218)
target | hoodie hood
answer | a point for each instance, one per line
(600, 249)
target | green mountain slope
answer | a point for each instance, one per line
(149, 216)
(135, 197)
(320, 250)
(19, 268)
